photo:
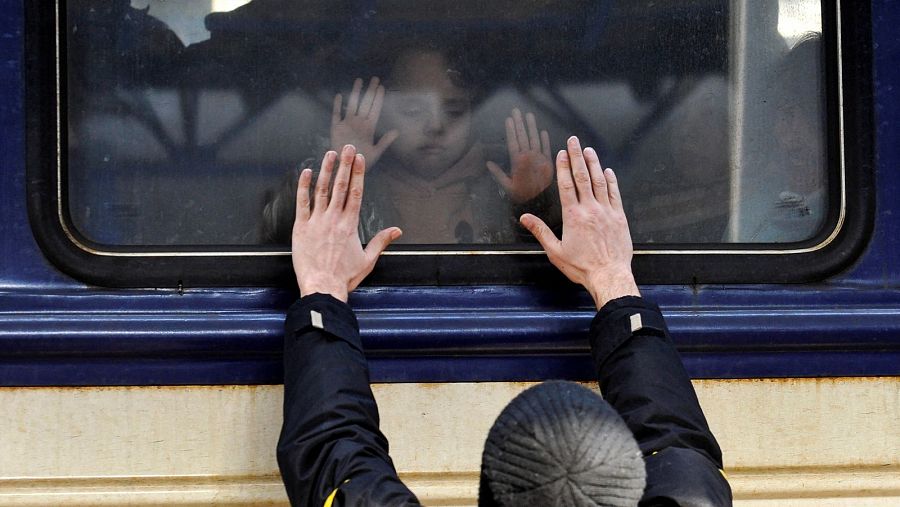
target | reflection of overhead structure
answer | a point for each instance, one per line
(524, 44)
(186, 19)
(268, 48)
(257, 93)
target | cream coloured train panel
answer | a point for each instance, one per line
(786, 442)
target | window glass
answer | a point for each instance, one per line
(188, 120)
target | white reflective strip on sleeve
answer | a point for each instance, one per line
(636, 324)
(316, 319)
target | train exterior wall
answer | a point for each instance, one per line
(786, 442)
(165, 396)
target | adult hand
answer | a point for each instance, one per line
(357, 125)
(595, 250)
(325, 248)
(529, 156)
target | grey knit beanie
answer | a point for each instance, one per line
(560, 444)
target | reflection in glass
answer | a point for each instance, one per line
(780, 185)
(188, 121)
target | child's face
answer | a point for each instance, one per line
(431, 114)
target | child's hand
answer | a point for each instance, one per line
(357, 125)
(529, 154)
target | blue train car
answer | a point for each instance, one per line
(143, 286)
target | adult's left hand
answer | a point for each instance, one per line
(529, 156)
(326, 251)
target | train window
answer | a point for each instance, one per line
(186, 122)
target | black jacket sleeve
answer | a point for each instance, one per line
(642, 376)
(330, 437)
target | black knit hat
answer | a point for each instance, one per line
(560, 444)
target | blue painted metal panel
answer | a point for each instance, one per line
(724, 332)
(880, 267)
(21, 262)
(55, 330)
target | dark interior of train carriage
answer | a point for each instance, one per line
(182, 124)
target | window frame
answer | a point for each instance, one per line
(850, 155)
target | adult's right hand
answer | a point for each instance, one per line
(595, 250)
(356, 125)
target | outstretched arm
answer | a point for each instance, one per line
(639, 370)
(330, 444)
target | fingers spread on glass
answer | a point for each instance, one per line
(595, 250)
(303, 194)
(580, 173)
(545, 236)
(512, 140)
(357, 124)
(365, 106)
(326, 251)
(323, 181)
(353, 101)
(342, 180)
(357, 179)
(615, 197)
(336, 108)
(377, 102)
(545, 143)
(531, 168)
(534, 139)
(568, 196)
(521, 133)
(500, 176)
(598, 179)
